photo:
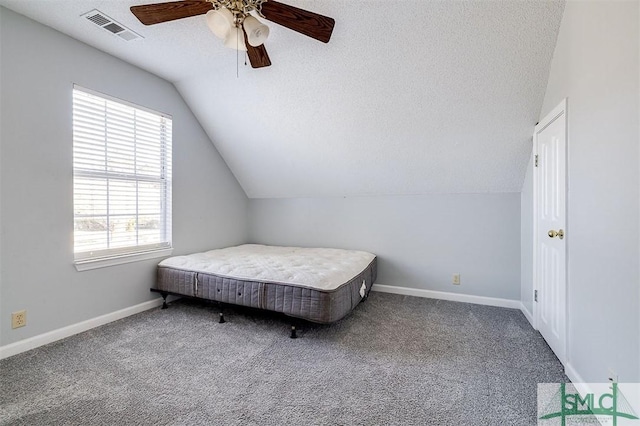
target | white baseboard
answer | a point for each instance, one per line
(61, 333)
(528, 315)
(575, 378)
(454, 297)
(584, 388)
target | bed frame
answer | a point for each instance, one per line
(317, 305)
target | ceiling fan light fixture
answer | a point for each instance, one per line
(235, 39)
(220, 22)
(226, 19)
(257, 32)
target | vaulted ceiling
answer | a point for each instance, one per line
(408, 97)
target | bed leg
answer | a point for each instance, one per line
(221, 319)
(164, 302)
(293, 332)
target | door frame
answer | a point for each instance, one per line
(559, 112)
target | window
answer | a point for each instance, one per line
(121, 179)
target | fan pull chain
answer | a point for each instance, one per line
(237, 53)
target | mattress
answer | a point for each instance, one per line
(316, 284)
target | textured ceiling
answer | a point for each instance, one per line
(408, 97)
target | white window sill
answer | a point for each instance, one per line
(85, 265)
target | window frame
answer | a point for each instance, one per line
(100, 258)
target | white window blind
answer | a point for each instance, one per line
(121, 177)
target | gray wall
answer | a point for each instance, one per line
(38, 68)
(2, 312)
(595, 65)
(420, 240)
(526, 239)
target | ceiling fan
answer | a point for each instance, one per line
(233, 21)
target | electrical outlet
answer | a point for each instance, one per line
(18, 319)
(456, 279)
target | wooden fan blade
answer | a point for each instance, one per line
(150, 14)
(308, 23)
(257, 55)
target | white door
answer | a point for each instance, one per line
(550, 231)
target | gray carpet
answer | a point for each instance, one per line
(396, 360)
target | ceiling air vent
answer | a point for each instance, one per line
(103, 21)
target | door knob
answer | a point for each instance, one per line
(553, 234)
